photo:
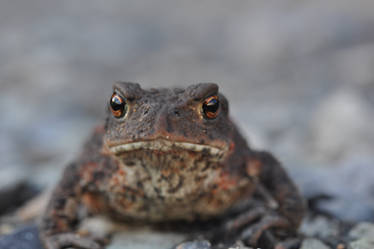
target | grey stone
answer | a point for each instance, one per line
(313, 244)
(145, 239)
(362, 244)
(239, 245)
(319, 226)
(363, 231)
(195, 245)
(25, 238)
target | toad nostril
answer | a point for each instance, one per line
(176, 113)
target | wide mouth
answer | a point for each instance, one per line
(164, 145)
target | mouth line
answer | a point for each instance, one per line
(166, 146)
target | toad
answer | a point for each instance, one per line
(172, 154)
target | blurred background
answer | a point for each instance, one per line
(299, 76)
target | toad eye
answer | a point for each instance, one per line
(211, 107)
(118, 105)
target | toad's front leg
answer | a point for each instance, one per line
(277, 214)
(58, 224)
(285, 205)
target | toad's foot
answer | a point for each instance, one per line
(257, 226)
(253, 233)
(74, 241)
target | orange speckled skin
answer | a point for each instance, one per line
(153, 185)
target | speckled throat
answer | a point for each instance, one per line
(166, 177)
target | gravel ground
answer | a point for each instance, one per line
(299, 76)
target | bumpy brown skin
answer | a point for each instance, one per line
(177, 165)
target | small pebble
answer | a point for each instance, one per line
(204, 244)
(313, 244)
(362, 244)
(25, 238)
(363, 230)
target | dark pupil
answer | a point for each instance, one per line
(117, 104)
(211, 106)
